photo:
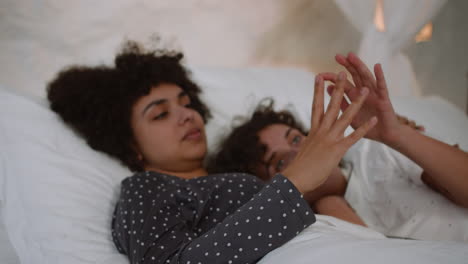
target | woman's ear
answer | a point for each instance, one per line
(137, 151)
(138, 159)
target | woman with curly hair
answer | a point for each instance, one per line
(276, 137)
(145, 111)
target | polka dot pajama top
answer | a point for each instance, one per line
(219, 218)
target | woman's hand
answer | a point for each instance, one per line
(325, 144)
(377, 103)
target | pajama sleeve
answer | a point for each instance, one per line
(269, 219)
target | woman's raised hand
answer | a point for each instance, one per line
(377, 103)
(326, 144)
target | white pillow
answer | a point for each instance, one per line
(59, 194)
(232, 92)
(7, 252)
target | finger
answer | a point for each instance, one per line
(348, 116)
(360, 132)
(342, 60)
(351, 91)
(382, 90)
(317, 103)
(333, 108)
(344, 102)
(329, 76)
(366, 75)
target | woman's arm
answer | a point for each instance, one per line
(447, 166)
(151, 227)
(335, 185)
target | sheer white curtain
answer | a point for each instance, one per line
(38, 38)
(403, 19)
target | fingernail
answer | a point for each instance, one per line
(341, 76)
(364, 91)
(317, 79)
(373, 120)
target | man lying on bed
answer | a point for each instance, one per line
(276, 137)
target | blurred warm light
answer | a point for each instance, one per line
(379, 20)
(425, 34)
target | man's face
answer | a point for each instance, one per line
(282, 144)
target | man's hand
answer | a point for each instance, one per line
(377, 103)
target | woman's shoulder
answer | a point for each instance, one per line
(146, 176)
(144, 180)
(231, 178)
(163, 182)
(235, 177)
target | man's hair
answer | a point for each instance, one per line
(97, 101)
(241, 150)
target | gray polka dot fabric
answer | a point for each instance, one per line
(221, 218)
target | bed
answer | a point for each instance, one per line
(57, 194)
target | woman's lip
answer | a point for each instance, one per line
(193, 134)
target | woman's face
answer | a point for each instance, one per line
(282, 144)
(169, 134)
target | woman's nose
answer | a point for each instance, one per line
(185, 115)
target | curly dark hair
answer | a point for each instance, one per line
(97, 101)
(241, 150)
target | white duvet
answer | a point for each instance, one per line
(330, 240)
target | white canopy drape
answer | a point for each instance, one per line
(403, 19)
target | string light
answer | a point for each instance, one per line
(379, 19)
(425, 34)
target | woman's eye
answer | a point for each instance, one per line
(296, 140)
(279, 165)
(161, 116)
